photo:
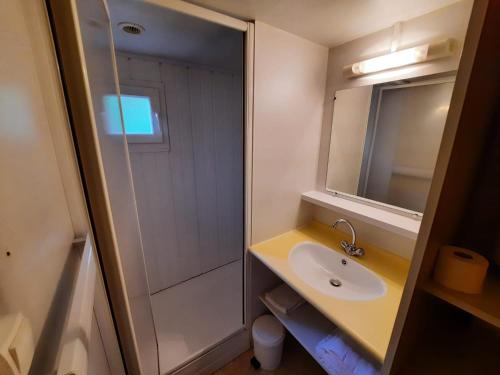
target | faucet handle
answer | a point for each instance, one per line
(359, 252)
(345, 245)
(351, 249)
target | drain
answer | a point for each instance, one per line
(335, 282)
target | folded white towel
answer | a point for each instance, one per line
(284, 299)
(339, 357)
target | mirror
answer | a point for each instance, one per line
(385, 140)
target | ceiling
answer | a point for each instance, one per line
(327, 22)
(177, 36)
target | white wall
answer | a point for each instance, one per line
(36, 226)
(289, 86)
(190, 197)
(289, 91)
(42, 202)
(449, 22)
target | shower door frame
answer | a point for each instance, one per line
(64, 20)
(227, 349)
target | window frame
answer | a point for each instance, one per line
(159, 140)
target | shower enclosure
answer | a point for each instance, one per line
(167, 126)
(187, 172)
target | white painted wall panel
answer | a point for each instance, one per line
(36, 230)
(187, 255)
(42, 202)
(203, 128)
(229, 161)
(190, 199)
(290, 77)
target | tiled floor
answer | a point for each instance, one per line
(193, 316)
(296, 361)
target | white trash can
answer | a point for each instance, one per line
(268, 335)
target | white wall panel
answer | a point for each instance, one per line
(229, 161)
(190, 199)
(36, 230)
(290, 75)
(181, 162)
(43, 206)
(204, 137)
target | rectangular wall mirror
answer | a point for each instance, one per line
(385, 140)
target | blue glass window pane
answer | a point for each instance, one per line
(137, 114)
(112, 115)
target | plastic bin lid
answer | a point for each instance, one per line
(267, 330)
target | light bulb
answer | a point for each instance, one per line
(392, 60)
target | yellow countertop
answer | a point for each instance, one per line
(369, 322)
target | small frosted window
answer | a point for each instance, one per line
(137, 115)
(141, 113)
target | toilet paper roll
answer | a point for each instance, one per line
(460, 269)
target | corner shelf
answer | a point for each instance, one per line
(385, 219)
(485, 306)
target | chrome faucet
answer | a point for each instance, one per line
(350, 248)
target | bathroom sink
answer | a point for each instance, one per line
(335, 274)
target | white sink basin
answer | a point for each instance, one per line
(324, 269)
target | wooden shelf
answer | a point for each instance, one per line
(485, 306)
(382, 218)
(451, 347)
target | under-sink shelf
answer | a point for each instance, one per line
(309, 327)
(306, 324)
(485, 306)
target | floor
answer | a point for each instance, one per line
(296, 361)
(194, 315)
